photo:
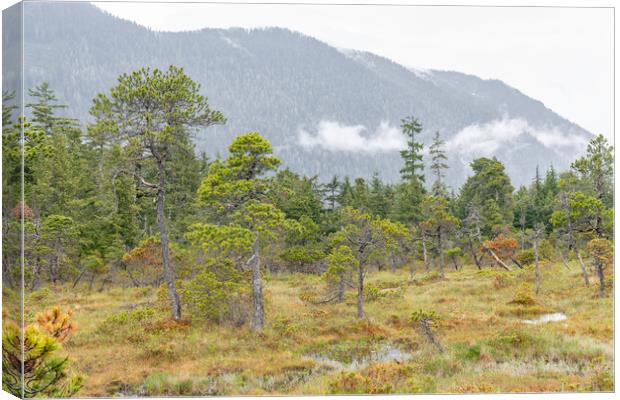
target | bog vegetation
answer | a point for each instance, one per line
(235, 275)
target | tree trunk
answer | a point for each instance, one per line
(441, 260)
(424, 252)
(456, 265)
(536, 269)
(258, 317)
(165, 246)
(36, 274)
(392, 262)
(583, 268)
(601, 278)
(473, 253)
(79, 277)
(341, 283)
(54, 268)
(564, 259)
(499, 261)
(360, 292)
(91, 282)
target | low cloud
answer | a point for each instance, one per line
(336, 137)
(486, 139)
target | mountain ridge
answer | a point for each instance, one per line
(285, 85)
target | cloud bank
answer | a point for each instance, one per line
(478, 140)
(486, 139)
(336, 137)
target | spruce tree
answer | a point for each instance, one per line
(438, 165)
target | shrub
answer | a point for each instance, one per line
(602, 379)
(160, 351)
(285, 326)
(218, 299)
(423, 315)
(525, 257)
(57, 323)
(431, 276)
(421, 384)
(545, 250)
(425, 321)
(302, 255)
(44, 373)
(127, 321)
(502, 279)
(372, 292)
(466, 352)
(503, 246)
(524, 296)
(349, 383)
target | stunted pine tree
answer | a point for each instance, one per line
(602, 251)
(580, 218)
(536, 235)
(236, 194)
(340, 264)
(31, 365)
(440, 223)
(361, 235)
(596, 170)
(153, 114)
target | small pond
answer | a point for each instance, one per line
(385, 353)
(544, 318)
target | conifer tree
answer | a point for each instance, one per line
(438, 165)
(236, 194)
(154, 113)
(413, 170)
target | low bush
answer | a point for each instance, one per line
(285, 326)
(127, 322)
(465, 352)
(372, 293)
(524, 296)
(525, 257)
(214, 298)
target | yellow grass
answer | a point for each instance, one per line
(487, 347)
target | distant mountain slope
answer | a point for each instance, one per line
(326, 110)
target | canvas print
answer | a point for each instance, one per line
(295, 199)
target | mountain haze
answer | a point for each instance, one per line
(326, 110)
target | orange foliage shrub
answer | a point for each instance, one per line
(57, 323)
(16, 212)
(503, 246)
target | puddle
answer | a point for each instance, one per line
(384, 354)
(543, 319)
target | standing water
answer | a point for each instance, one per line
(545, 318)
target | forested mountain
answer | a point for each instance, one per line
(326, 110)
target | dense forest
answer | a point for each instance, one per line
(127, 204)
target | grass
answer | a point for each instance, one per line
(127, 346)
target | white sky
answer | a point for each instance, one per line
(560, 56)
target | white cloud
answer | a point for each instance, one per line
(485, 139)
(565, 57)
(336, 137)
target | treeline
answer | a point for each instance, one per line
(127, 202)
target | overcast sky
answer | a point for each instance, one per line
(560, 56)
